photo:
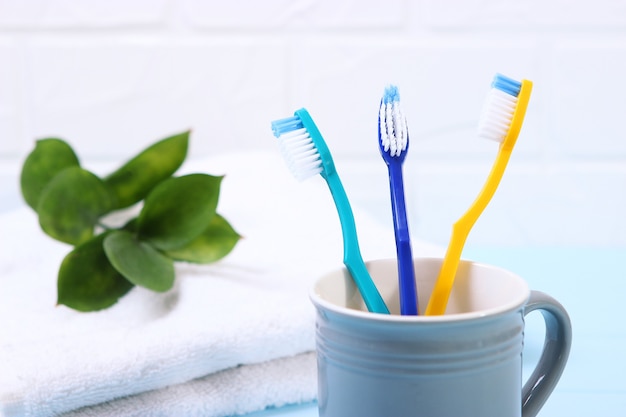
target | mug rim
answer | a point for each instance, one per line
(513, 305)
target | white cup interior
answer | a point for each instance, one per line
(478, 290)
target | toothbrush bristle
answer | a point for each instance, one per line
(499, 107)
(394, 132)
(506, 84)
(297, 147)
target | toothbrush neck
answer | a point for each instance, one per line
(346, 217)
(398, 204)
(329, 171)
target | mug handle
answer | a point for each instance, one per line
(555, 352)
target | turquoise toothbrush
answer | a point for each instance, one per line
(306, 154)
(393, 141)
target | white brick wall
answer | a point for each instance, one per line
(112, 76)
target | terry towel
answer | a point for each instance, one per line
(230, 338)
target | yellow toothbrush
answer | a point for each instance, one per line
(501, 121)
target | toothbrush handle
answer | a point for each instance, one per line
(351, 252)
(406, 272)
(460, 231)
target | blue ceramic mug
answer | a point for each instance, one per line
(466, 363)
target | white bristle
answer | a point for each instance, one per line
(300, 153)
(393, 128)
(497, 115)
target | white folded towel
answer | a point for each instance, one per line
(234, 391)
(232, 337)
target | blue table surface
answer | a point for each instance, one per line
(591, 284)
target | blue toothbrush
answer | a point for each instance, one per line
(307, 154)
(393, 141)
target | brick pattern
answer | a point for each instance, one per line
(114, 75)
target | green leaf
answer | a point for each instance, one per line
(87, 281)
(71, 204)
(133, 181)
(49, 157)
(178, 210)
(139, 262)
(213, 244)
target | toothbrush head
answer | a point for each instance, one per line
(393, 131)
(302, 146)
(497, 115)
